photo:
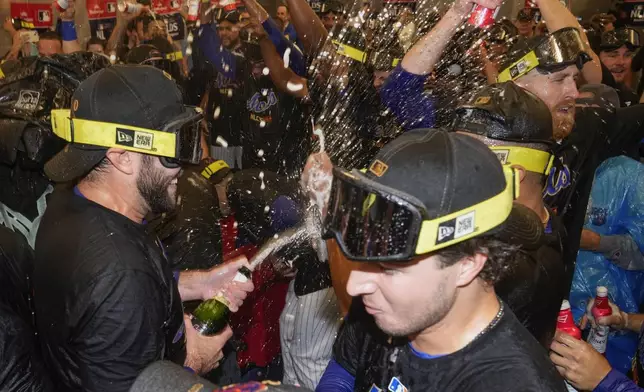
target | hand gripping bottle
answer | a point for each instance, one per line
(566, 324)
(212, 316)
(193, 10)
(483, 17)
(598, 336)
(61, 5)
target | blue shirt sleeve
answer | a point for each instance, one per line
(617, 381)
(296, 57)
(336, 379)
(223, 59)
(403, 94)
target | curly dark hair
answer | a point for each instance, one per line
(501, 256)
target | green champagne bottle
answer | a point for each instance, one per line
(212, 316)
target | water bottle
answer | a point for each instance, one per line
(598, 337)
(566, 324)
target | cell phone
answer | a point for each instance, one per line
(31, 36)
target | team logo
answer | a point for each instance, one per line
(518, 69)
(44, 16)
(396, 386)
(558, 180)
(481, 101)
(259, 102)
(374, 388)
(111, 8)
(27, 100)
(378, 168)
(136, 139)
(75, 105)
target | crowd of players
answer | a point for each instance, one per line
(456, 184)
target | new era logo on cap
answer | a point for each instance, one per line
(456, 228)
(136, 139)
(502, 155)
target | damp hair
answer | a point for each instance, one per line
(97, 171)
(501, 256)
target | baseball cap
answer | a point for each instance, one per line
(131, 95)
(525, 15)
(505, 111)
(424, 191)
(233, 16)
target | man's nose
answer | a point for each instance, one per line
(361, 281)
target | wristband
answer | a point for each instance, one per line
(191, 370)
(68, 30)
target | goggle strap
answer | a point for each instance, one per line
(213, 168)
(350, 51)
(109, 135)
(519, 68)
(532, 160)
(467, 223)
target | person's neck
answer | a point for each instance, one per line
(474, 309)
(531, 198)
(114, 197)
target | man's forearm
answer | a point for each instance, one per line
(308, 26)
(557, 17)
(116, 37)
(424, 55)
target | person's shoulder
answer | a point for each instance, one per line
(511, 356)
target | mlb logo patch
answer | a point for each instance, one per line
(374, 388)
(396, 386)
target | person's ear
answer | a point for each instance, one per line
(521, 170)
(469, 269)
(122, 160)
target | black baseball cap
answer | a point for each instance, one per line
(331, 6)
(505, 111)
(598, 95)
(456, 183)
(135, 95)
(525, 15)
(233, 16)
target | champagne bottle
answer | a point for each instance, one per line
(566, 324)
(212, 316)
(598, 337)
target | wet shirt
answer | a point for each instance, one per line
(106, 301)
(504, 358)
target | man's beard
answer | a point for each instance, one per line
(562, 123)
(619, 73)
(425, 315)
(154, 186)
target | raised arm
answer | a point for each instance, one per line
(285, 79)
(308, 26)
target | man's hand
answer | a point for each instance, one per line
(617, 320)
(204, 352)
(68, 14)
(578, 362)
(464, 7)
(219, 280)
(8, 26)
(127, 17)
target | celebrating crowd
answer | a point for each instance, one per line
(334, 198)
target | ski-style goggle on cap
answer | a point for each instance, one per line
(416, 198)
(132, 107)
(617, 38)
(551, 52)
(175, 143)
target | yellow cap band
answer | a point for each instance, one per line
(530, 159)
(350, 52)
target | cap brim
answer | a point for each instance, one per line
(73, 162)
(523, 227)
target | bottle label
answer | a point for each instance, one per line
(563, 318)
(601, 302)
(598, 338)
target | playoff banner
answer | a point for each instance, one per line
(38, 13)
(634, 12)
